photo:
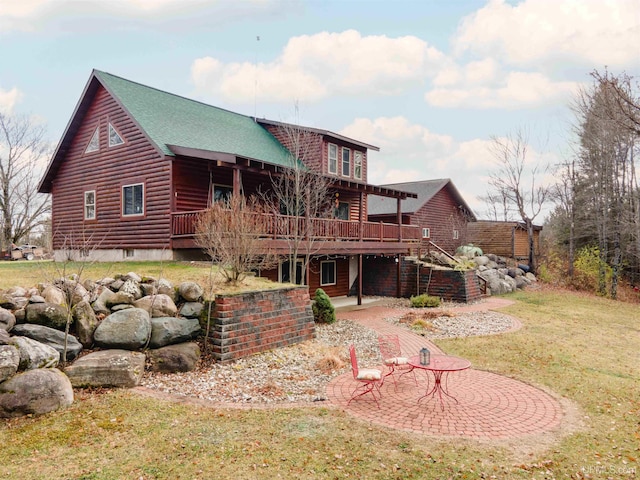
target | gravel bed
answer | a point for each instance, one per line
(300, 373)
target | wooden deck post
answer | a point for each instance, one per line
(359, 279)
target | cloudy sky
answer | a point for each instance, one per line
(428, 81)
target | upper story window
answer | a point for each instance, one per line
(133, 200)
(346, 162)
(90, 205)
(357, 165)
(94, 143)
(456, 234)
(341, 211)
(114, 137)
(332, 166)
(426, 232)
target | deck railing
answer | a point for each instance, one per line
(183, 225)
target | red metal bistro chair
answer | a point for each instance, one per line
(392, 358)
(370, 379)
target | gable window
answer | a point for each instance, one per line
(328, 273)
(222, 193)
(133, 200)
(114, 137)
(94, 143)
(90, 205)
(456, 234)
(357, 165)
(346, 162)
(426, 232)
(332, 167)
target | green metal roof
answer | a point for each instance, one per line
(169, 119)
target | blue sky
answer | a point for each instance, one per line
(427, 81)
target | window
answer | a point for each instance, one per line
(341, 212)
(357, 165)
(129, 253)
(133, 199)
(285, 276)
(333, 159)
(90, 205)
(94, 143)
(222, 193)
(114, 137)
(426, 233)
(346, 162)
(328, 273)
(456, 234)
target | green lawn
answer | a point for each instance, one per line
(583, 348)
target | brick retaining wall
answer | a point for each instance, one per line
(252, 322)
(451, 285)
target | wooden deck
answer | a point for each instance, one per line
(280, 227)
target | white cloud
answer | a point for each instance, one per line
(516, 90)
(312, 67)
(531, 32)
(8, 99)
(73, 15)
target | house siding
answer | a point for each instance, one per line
(106, 171)
(442, 216)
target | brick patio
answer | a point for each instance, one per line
(490, 405)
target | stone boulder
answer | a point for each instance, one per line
(7, 320)
(5, 338)
(170, 330)
(35, 392)
(86, 322)
(191, 310)
(100, 304)
(190, 291)
(7, 301)
(182, 357)
(47, 314)
(53, 294)
(107, 368)
(50, 336)
(131, 287)
(9, 361)
(17, 292)
(165, 287)
(159, 305)
(34, 354)
(127, 329)
(119, 298)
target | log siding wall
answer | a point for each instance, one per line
(106, 171)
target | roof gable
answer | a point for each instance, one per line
(167, 119)
(425, 191)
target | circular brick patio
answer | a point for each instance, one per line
(489, 405)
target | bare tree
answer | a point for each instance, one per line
(519, 184)
(22, 147)
(498, 206)
(230, 233)
(299, 197)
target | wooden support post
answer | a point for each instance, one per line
(399, 276)
(359, 279)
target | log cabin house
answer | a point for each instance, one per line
(438, 210)
(136, 165)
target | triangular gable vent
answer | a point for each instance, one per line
(114, 137)
(94, 143)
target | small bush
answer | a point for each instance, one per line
(323, 311)
(425, 300)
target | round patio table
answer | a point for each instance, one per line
(440, 365)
